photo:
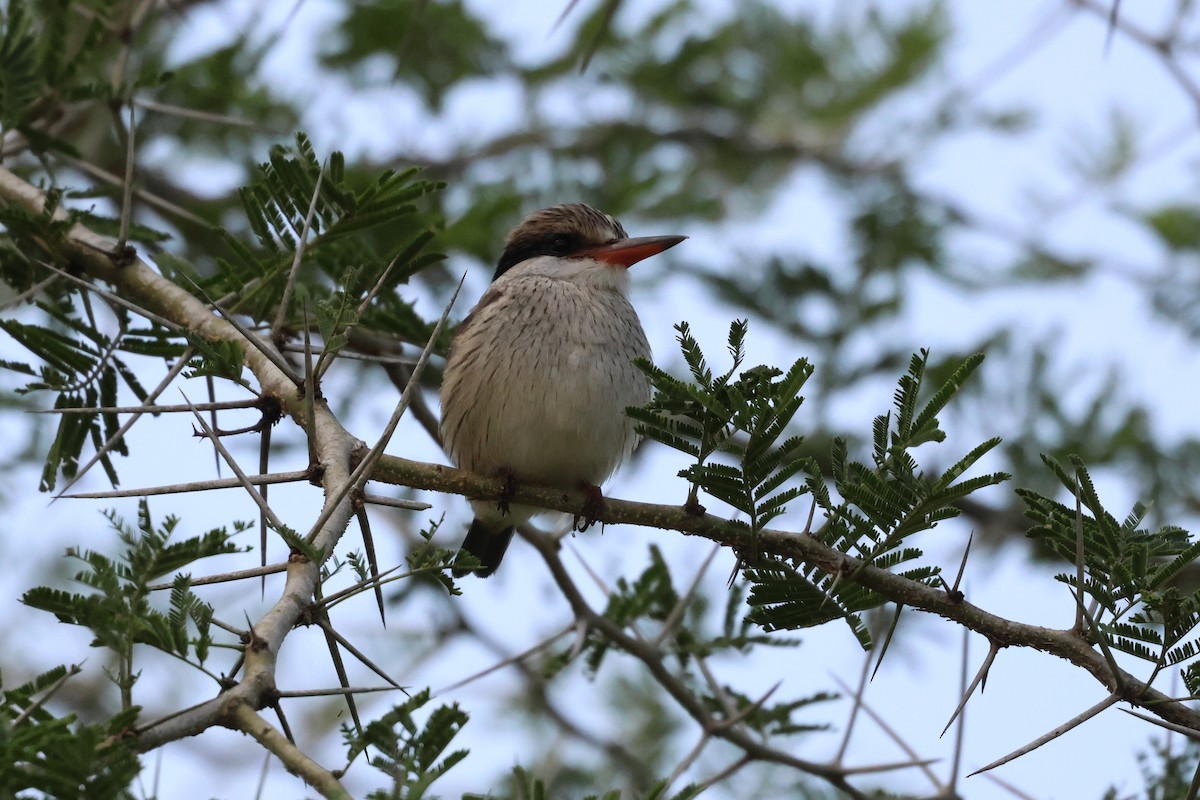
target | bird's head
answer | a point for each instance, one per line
(574, 240)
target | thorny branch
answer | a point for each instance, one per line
(1066, 644)
(335, 448)
(336, 452)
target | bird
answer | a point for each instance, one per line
(539, 374)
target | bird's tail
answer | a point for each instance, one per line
(486, 545)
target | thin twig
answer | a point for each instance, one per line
(686, 762)
(1079, 609)
(396, 502)
(191, 113)
(521, 656)
(319, 352)
(854, 709)
(149, 198)
(225, 577)
(952, 789)
(119, 434)
(257, 343)
(1003, 784)
(1190, 733)
(916, 760)
(1053, 734)
(51, 690)
(363, 471)
(28, 294)
(310, 387)
(331, 600)
(1102, 640)
(336, 691)
(264, 456)
(192, 486)
(289, 288)
(151, 408)
(117, 299)
(243, 479)
(717, 777)
(677, 612)
(127, 193)
(366, 301)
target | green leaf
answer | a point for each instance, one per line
(409, 753)
(20, 79)
(925, 426)
(1177, 226)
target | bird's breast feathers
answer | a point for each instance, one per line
(539, 381)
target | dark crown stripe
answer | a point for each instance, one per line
(545, 232)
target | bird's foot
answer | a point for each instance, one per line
(592, 506)
(508, 487)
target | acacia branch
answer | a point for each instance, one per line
(1001, 632)
(296, 761)
(335, 450)
(653, 659)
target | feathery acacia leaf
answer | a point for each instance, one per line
(880, 507)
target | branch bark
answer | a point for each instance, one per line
(1065, 644)
(337, 450)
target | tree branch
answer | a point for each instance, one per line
(297, 763)
(335, 450)
(1000, 631)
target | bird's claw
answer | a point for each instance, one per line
(592, 506)
(508, 487)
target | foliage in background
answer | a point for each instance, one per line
(706, 118)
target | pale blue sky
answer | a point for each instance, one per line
(1072, 83)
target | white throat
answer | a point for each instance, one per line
(579, 271)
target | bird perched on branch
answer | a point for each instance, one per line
(540, 373)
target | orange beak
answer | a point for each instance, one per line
(627, 252)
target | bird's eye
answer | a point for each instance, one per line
(560, 246)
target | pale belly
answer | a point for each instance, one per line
(547, 402)
(568, 429)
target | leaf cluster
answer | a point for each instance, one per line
(870, 509)
(48, 57)
(119, 611)
(745, 417)
(1131, 574)
(82, 365)
(443, 44)
(411, 755)
(877, 508)
(360, 239)
(362, 243)
(56, 756)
